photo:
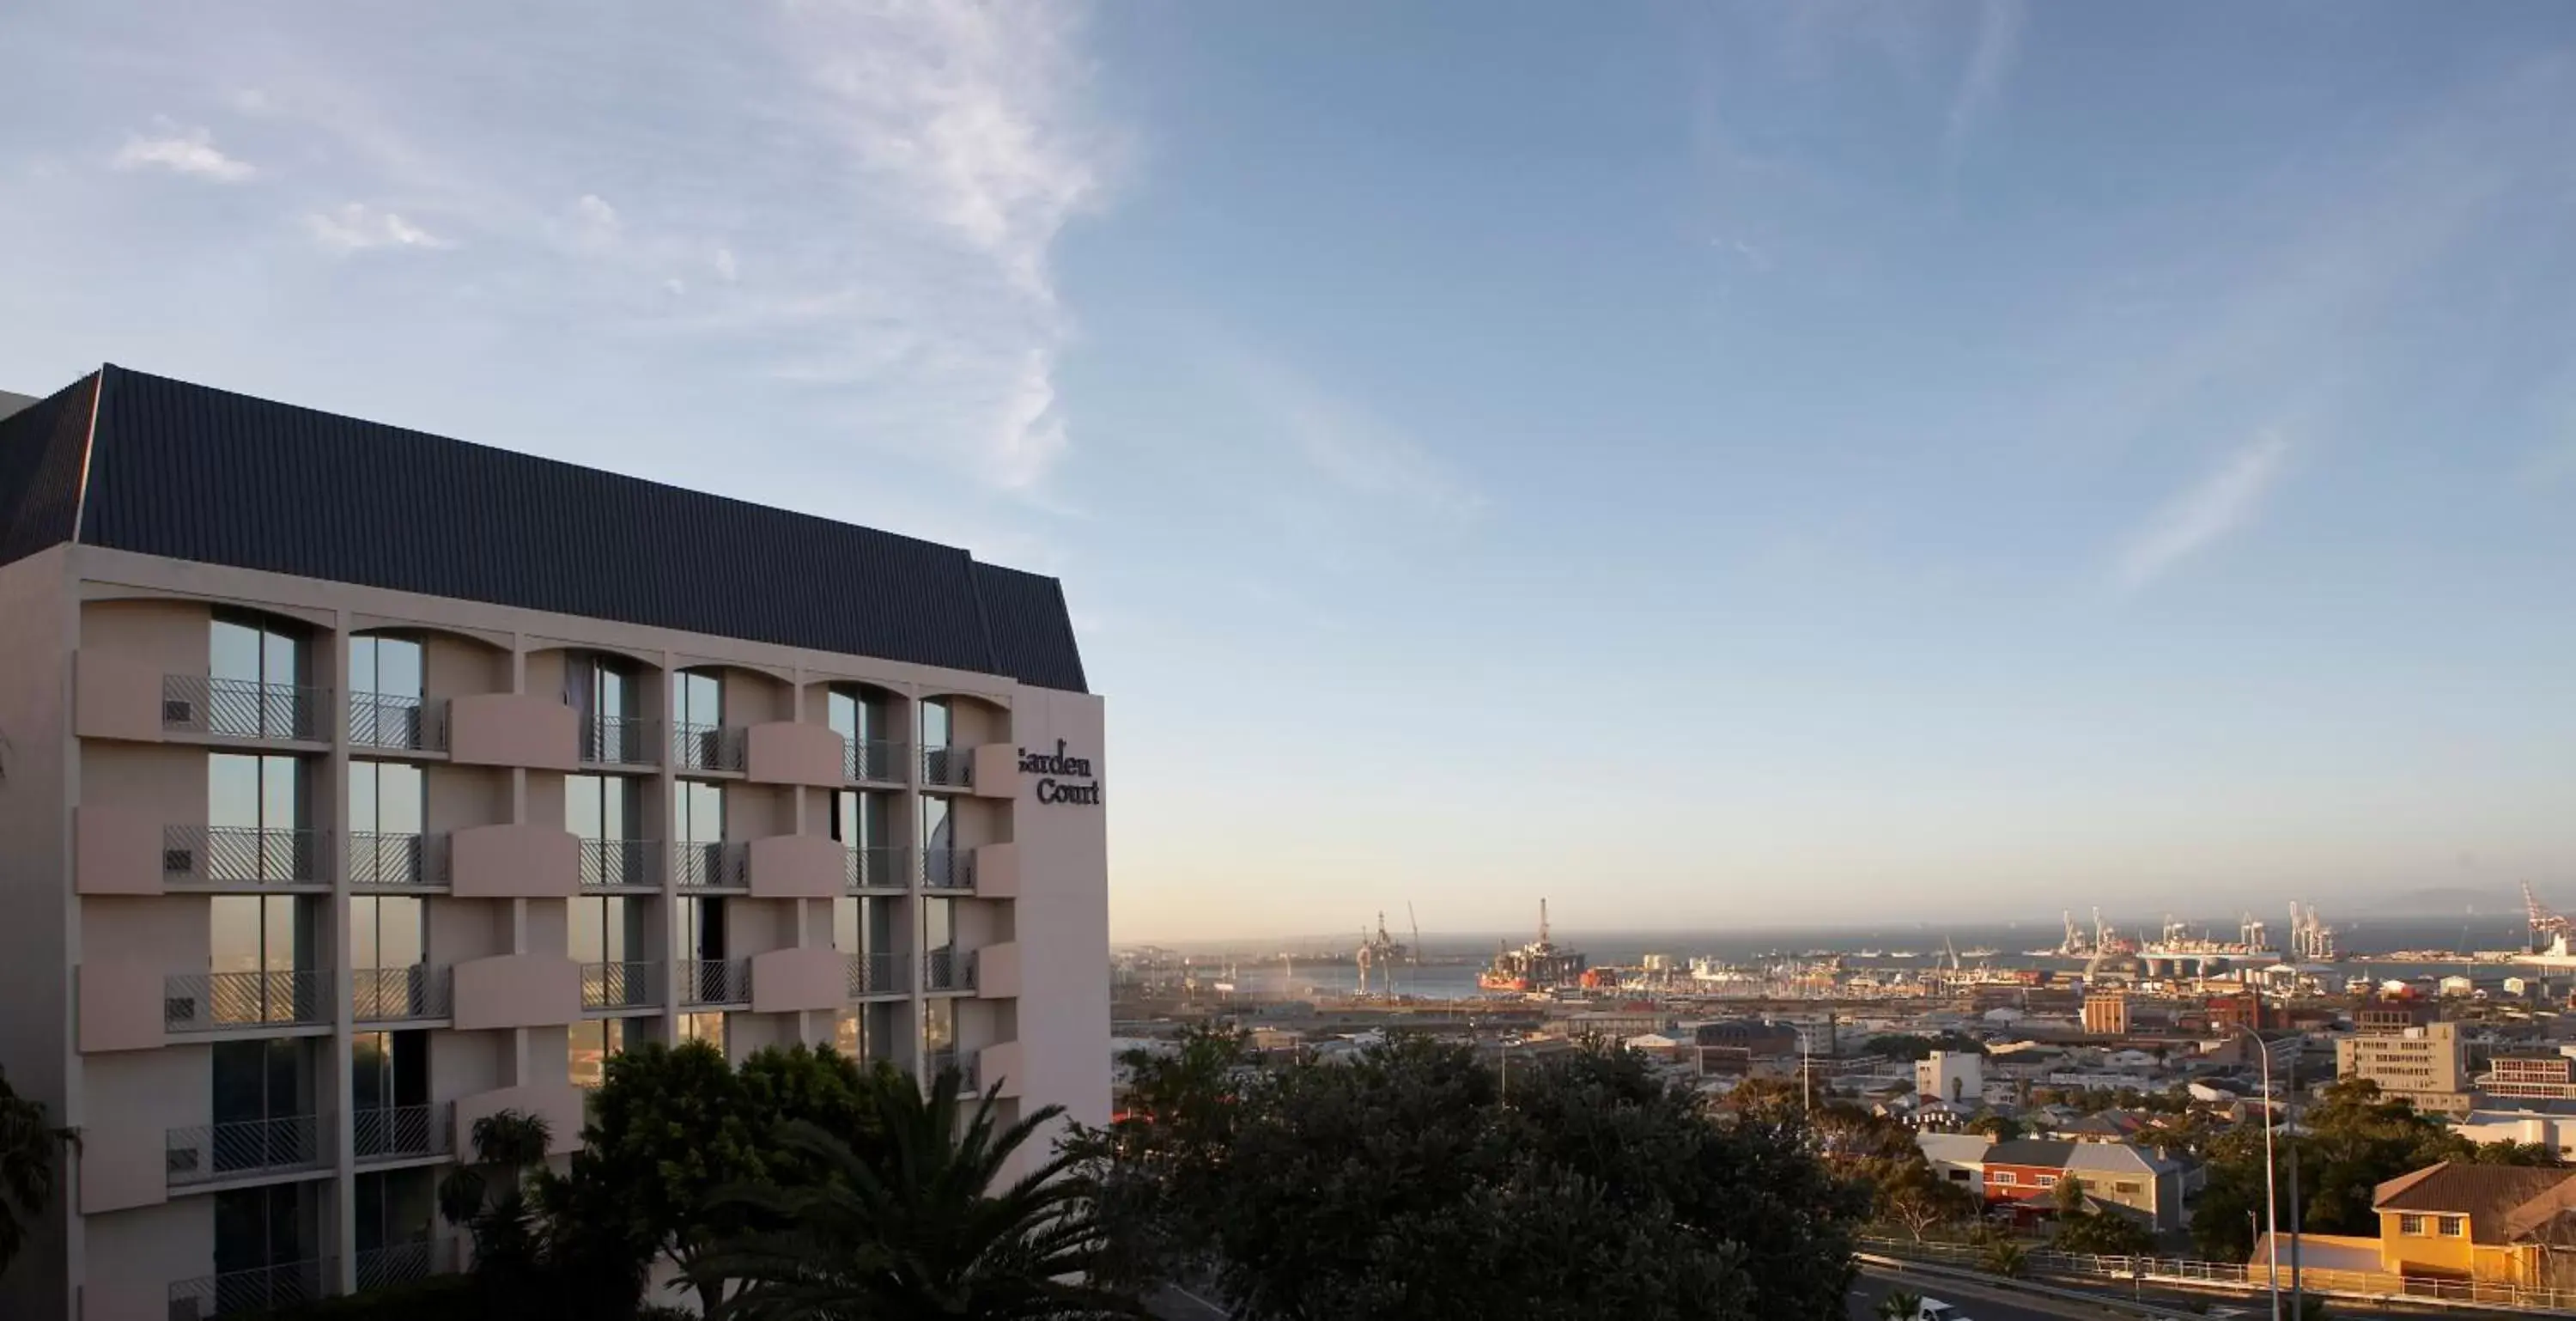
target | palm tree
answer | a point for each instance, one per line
(1900, 1305)
(918, 1230)
(26, 1165)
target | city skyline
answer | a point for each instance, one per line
(1739, 463)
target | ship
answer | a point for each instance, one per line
(2182, 953)
(1537, 966)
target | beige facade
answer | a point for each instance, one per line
(303, 877)
(2424, 1065)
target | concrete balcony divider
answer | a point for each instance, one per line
(123, 1168)
(997, 972)
(797, 867)
(513, 862)
(114, 851)
(512, 729)
(559, 1104)
(998, 1067)
(115, 698)
(786, 752)
(786, 981)
(120, 1006)
(997, 871)
(997, 771)
(517, 990)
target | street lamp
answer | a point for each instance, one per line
(2271, 1200)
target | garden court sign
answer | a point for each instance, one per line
(1057, 773)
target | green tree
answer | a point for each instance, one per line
(1399, 1186)
(1900, 1305)
(2068, 1195)
(27, 1146)
(923, 1230)
(669, 1126)
(2007, 1258)
(1921, 1200)
(2002, 1128)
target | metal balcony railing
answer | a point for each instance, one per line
(715, 981)
(620, 985)
(229, 856)
(401, 1132)
(951, 768)
(948, 869)
(404, 861)
(621, 741)
(402, 722)
(621, 864)
(948, 968)
(216, 1001)
(876, 867)
(394, 995)
(242, 708)
(876, 974)
(879, 760)
(396, 1263)
(720, 866)
(209, 1152)
(937, 1062)
(236, 1293)
(706, 747)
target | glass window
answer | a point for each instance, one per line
(394, 1207)
(2410, 1225)
(845, 924)
(389, 1069)
(2454, 1226)
(697, 812)
(856, 712)
(386, 797)
(383, 666)
(278, 1225)
(702, 923)
(709, 1028)
(593, 1041)
(859, 818)
(2048, 1181)
(938, 723)
(2000, 1176)
(271, 1078)
(246, 648)
(606, 928)
(938, 923)
(261, 932)
(254, 792)
(387, 931)
(604, 806)
(938, 832)
(938, 1025)
(850, 1035)
(697, 698)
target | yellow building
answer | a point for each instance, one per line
(2491, 1223)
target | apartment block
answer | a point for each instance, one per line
(358, 783)
(2424, 1065)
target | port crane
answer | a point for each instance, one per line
(2549, 928)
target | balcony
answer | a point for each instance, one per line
(523, 861)
(513, 729)
(876, 867)
(244, 709)
(715, 982)
(397, 1263)
(621, 741)
(240, 1293)
(948, 870)
(948, 768)
(872, 761)
(948, 968)
(402, 995)
(401, 1132)
(876, 974)
(621, 864)
(224, 1001)
(379, 860)
(787, 752)
(621, 985)
(397, 722)
(241, 857)
(253, 1148)
(711, 867)
(516, 990)
(937, 1062)
(706, 747)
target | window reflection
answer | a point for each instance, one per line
(938, 723)
(593, 1041)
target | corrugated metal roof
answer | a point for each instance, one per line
(195, 473)
(40, 470)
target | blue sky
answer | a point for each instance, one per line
(1693, 462)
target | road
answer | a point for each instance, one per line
(1980, 1303)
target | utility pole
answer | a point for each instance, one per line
(2298, 1299)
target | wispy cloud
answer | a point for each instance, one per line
(1356, 451)
(357, 227)
(188, 151)
(1990, 64)
(2228, 498)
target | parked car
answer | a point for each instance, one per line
(1934, 1309)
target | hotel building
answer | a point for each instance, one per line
(357, 783)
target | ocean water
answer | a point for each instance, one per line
(1260, 969)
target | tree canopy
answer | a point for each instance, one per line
(1402, 1185)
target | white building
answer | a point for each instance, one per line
(1951, 1075)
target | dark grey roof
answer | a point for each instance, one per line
(194, 473)
(2030, 1151)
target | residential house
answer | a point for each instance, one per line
(2117, 1174)
(2501, 1224)
(1958, 1158)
